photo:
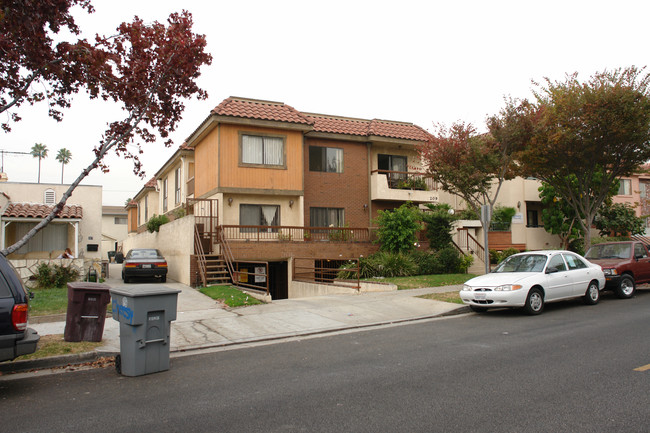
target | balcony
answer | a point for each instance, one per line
(402, 186)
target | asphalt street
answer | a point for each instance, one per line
(575, 368)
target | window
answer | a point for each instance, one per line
(639, 251)
(146, 208)
(557, 262)
(262, 150)
(392, 163)
(574, 262)
(165, 195)
(121, 220)
(327, 159)
(625, 187)
(532, 218)
(258, 215)
(326, 216)
(177, 186)
(49, 197)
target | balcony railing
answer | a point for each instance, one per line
(410, 180)
(297, 234)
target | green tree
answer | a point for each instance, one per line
(618, 219)
(64, 156)
(39, 151)
(558, 217)
(397, 228)
(583, 130)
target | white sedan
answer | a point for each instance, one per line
(531, 279)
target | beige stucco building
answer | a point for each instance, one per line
(78, 226)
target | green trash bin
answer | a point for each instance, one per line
(145, 313)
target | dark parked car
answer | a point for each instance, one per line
(625, 265)
(144, 262)
(15, 337)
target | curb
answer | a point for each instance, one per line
(51, 362)
(81, 358)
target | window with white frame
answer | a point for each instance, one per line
(258, 215)
(120, 220)
(327, 159)
(625, 187)
(146, 208)
(177, 186)
(262, 150)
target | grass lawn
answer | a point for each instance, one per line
(420, 281)
(229, 295)
(48, 301)
(54, 345)
(452, 297)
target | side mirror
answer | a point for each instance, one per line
(551, 270)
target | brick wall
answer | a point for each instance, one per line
(347, 190)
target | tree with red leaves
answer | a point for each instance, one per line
(473, 166)
(148, 69)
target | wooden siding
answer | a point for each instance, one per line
(217, 162)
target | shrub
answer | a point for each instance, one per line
(466, 260)
(43, 276)
(448, 260)
(397, 228)
(467, 214)
(426, 262)
(438, 225)
(154, 223)
(502, 217)
(62, 275)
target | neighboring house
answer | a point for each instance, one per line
(114, 228)
(143, 206)
(175, 180)
(635, 190)
(78, 226)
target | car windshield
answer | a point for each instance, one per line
(143, 254)
(609, 251)
(522, 263)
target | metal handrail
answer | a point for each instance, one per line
(200, 256)
(296, 233)
(400, 179)
(227, 252)
(471, 243)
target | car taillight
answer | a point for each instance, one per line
(19, 317)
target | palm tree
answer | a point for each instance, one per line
(39, 151)
(63, 157)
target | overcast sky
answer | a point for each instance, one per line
(423, 62)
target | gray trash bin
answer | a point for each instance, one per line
(145, 313)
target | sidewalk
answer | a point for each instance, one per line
(203, 323)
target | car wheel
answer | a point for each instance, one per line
(125, 278)
(626, 288)
(163, 278)
(592, 295)
(476, 309)
(534, 302)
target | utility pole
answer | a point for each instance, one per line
(2, 152)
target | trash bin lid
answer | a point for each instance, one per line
(144, 290)
(76, 285)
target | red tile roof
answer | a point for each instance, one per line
(151, 183)
(280, 112)
(35, 210)
(263, 110)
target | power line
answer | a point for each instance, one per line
(2, 152)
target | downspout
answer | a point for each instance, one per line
(369, 185)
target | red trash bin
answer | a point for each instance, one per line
(86, 311)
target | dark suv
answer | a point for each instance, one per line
(625, 265)
(15, 337)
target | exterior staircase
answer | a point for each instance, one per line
(216, 270)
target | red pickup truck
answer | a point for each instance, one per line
(625, 265)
